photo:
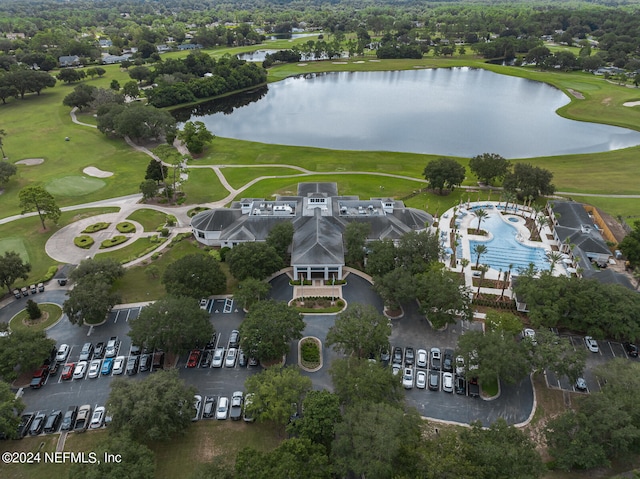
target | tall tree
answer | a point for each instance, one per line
(250, 291)
(90, 300)
(396, 287)
(355, 237)
(38, 199)
(356, 380)
(23, 351)
(359, 331)
(107, 269)
(443, 297)
(255, 259)
(489, 166)
(12, 267)
(10, 409)
(479, 250)
(268, 329)
(80, 97)
(159, 407)
(280, 237)
(444, 173)
(3, 134)
(196, 136)
(480, 214)
(381, 258)
(417, 250)
(630, 245)
(7, 170)
(173, 324)
(321, 414)
(527, 180)
(156, 171)
(195, 275)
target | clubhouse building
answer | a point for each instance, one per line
(319, 217)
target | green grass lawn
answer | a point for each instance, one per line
(203, 186)
(52, 310)
(238, 177)
(15, 244)
(149, 219)
(131, 251)
(74, 185)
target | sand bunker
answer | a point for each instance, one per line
(30, 161)
(302, 64)
(339, 63)
(92, 171)
(631, 103)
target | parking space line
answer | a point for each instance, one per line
(115, 320)
(128, 313)
(611, 348)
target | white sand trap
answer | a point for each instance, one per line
(93, 171)
(302, 64)
(30, 161)
(359, 61)
(377, 61)
(631, 103)
(340, 63)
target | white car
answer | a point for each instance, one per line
(218, 358)
(422, 358)
(97, 420)
(531, 334)
(223, 408)
(63, 353)
(459, 366)
(232, 354)
(592, 344)
(581, 384)
(118, 365)
(407, 378)
(395, 369)
(447, 382)
(197, 404)
(203, 303)
(94, 368)
(80, 370)
(421, 380)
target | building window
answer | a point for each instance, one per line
(200, 234)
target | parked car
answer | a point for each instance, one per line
(461, 385)
(80, 370)
(145, 362)
(41, 287)
(86, 352)
(223, 408)
(24, 425)
(38, 424)
(632, 349)
(135, 350)
(67, 371)
(234, 339)
(107, 366)
(98, 351)
(33, 289)
(17, 294)
(112, 347)
(434, 380)
(97, 420)
(69, 418)
(209, 408)
(157, 361)
(581, 384)
(421, 380)
(447, 360)
(207, 356)
(94, 368)
(197, 404)
(253, 362)
(474, 388)
(592, 344)
(385, 357)
(447, 382)
(396, 368)
(230, 360)
(63, 353)
(83, 418)
(436, 359)
(237, 399)
(422, 358)
(459, 366)
(218, 358)
(530, 335)
(194, 358)
(203, 303)
(247, 416)
(118, 365)
(407, 378)
(409, 357)
(53, 421)
(397, 355)
(132, 365)
(24, 291)
(242, 358)
(39, 377)
(53, 368)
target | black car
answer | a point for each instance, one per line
(632, 349)
(460, 385)
(447, 360)
(397, 355)
(385, 357)
(98, 351)
(409, 357)
(132, 365)
(206, 359)
(86, 353)
(25, 424)
(234, 339)
(38, 424)
(434, 380)
(209, 408)
(212, 343)
(145, 362)
(53, 422)
(135, 350)
(53, 368)
(69, 418)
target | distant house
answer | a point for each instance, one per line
(609, 71)
(69, 61)
(189, 46)
(163, 48)
(111, 59)
(105, 43)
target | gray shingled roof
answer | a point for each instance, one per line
(325, 189)
(607, 276)
(317, 240)
(215, 220)
(572, 214)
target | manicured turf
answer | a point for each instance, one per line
(149, 219)
(203, 186)
(53, 310)
(74, 186)
(131, 251)
(15, 244)
(238, 177)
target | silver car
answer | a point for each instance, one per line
(218, 358)
(118, 365)
(94, 368)
(232, 354)
(223, 408)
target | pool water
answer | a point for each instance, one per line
(504, 250)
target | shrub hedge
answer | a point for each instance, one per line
(126, 227)
(111, 242)
(83, 241)
(96, 227)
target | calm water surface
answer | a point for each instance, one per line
(457, 111)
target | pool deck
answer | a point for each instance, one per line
(463, 218)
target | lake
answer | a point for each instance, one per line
(445, 111)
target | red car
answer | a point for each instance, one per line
(67, 371)
(194, 358)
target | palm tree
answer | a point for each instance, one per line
(636, 275)
(483, 270)
(508, 196)
(3, 133)
(481, 214)
(542, 222)
(507, 275)
(553, 258)
(465, 262)
(479, 250)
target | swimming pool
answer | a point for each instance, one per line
(504, 250)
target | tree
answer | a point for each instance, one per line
(381, 258)
(136, 460)
(23, 351)
(527, 180)
(69, 75)
(538, 55)
(149, 189)
(173, 324)
(321, 414)
(373, 440)
(357, 380)
(38, 199)
(195, 275)
(418, 250)
(10, 409)
(276, 391)
(268, 329)
(359, 331)
(443, 297)
(253, 260)
(506, 323)
(556, 354)
(444, 173)
(156, 171)
(143, 122)
(139, 74)
(157, 408)
(131, 89)
(396, 287)
(115, 85)
(3, 133)
(33, 309)
(80, 97)
(196, 136)
(479, 250)
(489, 166)
(630, 245)
(7, 170)
(295, 458)
(249, 291)
(480, 214)
(281, 237)
(355, 237)
(12, 267)
(90, 301)
(108, 269)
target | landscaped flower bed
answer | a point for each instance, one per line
(126, 227)
(83, 241)
(317, 304)
(96, 227)
(310, 353)
(111, 242)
